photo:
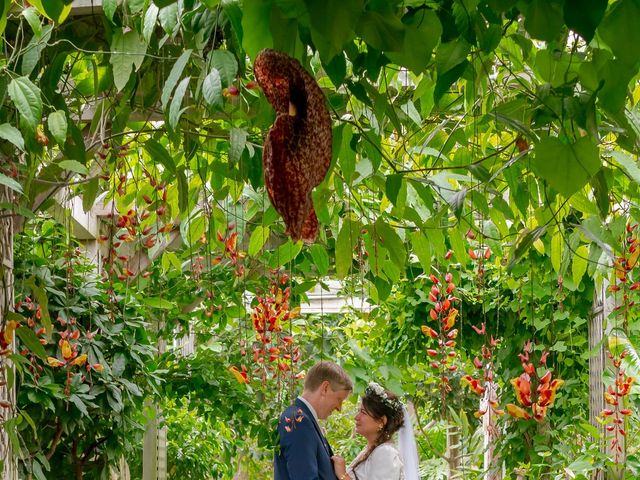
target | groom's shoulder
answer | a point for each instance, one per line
(293, 415)
(293, 410)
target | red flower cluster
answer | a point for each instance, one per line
(486, 366)
(444, 313)
(614, 396)
(132, 228)
(274, 350)
(533, 392)
(231, 252)
(69, 347)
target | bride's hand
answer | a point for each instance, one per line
(339, 465)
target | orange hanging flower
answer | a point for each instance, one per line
(473, 384)
(517, 412)
(241, 375)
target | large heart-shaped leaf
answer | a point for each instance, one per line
(566, 167)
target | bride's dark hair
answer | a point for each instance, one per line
(379, 402)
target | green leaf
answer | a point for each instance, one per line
(524, 243)
(579, 264)
(580, 202)
(157, 302)
(345, 244)
(557, 245)
(346, 155)
(89, 194)
(33, 50)
(456, 240)
(456, 202)
(31, 341)
(150, 20)
(584, 16)
(383, 32)
(37, 470)
(226, 64)
(33, 19)
(628, 164)
(390, 240)
(127, 51)
(174, 77)
(451, 54)
(285, 253)
(27, 99)
(258, 238)
(77, 401)
(109, 8)
(10, 183)
(4, 10)
(620, 31)
(57, 123)
(233, 13)
(422, 28)
(601, 191)
(12, 134)
(135, 6)
(256, 26)
(212, 88)
(543, 19)
(320, 258)
(169, 18)
(330, 33)
(422, 248)
(567, 168)
(174, 260)
(392, 187)
(73, 166)
(183, 190)
(175, 112)
(56, 10)
(192, 228)
(237, 142)
(159, 153)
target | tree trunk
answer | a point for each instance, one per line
(7, 390)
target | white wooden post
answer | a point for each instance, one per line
(596, 363)
(492, 470)
(154, 454)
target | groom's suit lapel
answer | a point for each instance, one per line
(308, 413)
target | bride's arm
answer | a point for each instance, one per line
(339, 467)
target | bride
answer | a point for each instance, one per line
(381, 415)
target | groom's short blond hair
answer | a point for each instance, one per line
(327, 371)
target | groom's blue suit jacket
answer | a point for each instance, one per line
(304, 452)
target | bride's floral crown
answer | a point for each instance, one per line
(376, 389)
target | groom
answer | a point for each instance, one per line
(304, 452)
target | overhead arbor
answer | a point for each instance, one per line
(456, 125)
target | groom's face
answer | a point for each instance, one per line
(331, 400)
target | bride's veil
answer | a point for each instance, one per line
(408, 448)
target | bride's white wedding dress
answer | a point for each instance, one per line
(384, 463)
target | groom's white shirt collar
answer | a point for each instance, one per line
(311, 409)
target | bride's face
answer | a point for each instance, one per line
(366, 425)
